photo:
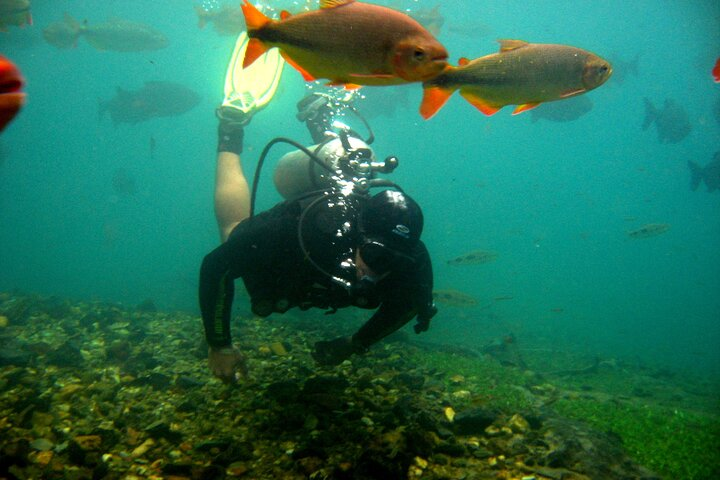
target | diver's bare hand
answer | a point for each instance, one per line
(227, 364)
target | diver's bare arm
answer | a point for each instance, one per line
(232, 194)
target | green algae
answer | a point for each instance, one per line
(677, 443)
(489, 382)
(674, 443)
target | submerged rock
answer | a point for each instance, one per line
(14, 354)
(66, 355)
(576, 447)
(474, 421)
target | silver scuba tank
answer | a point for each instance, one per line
(344, 158)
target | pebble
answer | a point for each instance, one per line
(461, 394)
(236, 469)
(143, 448)
(421, 462)
(43, 458)
(42, 444)
(278, 349)
(89, 442)
(518, 424)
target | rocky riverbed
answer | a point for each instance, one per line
(97, 391)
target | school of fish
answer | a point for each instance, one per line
(353, 44)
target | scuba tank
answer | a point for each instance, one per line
(349, 158)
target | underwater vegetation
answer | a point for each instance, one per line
(97, 390)
(672, 442)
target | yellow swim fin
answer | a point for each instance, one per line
(250, 89)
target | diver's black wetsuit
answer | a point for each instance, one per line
(265, 251)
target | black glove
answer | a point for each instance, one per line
(424, 317)
(231, 129)
(334, 352)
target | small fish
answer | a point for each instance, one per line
(649, 230)
(522, 74)
(11, 97)
(116, 34)
(154, 99)
(710, 174)
(473, 258)
(672, 122)
(716, 71)
(15, 13)
(454, 298)
(348, 42)
(565, 111)
(503, 298)
(226, 20)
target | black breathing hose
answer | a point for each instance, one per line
(263, 156)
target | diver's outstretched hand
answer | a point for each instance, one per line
(227, 364)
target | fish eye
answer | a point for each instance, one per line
(419, 54)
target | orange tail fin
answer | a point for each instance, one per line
(716, 71)
(433, 100)
(254, 19)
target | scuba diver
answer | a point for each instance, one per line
(331, 244)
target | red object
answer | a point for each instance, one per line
(11, 98)
(716, 71)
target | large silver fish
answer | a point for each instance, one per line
(116, 34)
(14, 12)
(155, 99)
(523, 74)
(454, 298)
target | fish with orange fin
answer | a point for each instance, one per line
(716, 71)
(11, 98)
(522, 74)
(348, 42)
